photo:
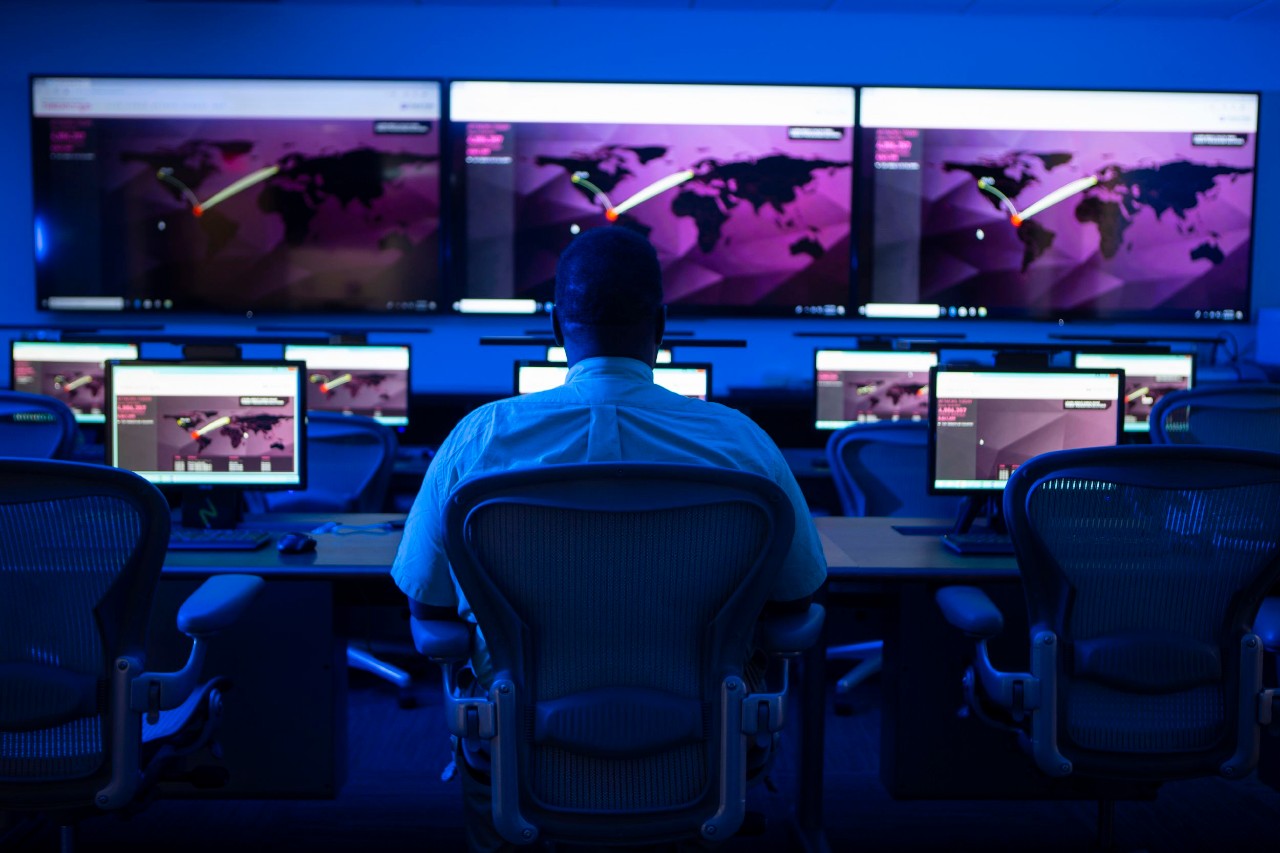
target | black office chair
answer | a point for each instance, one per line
(33, 426)
(350, 460)
(618, 603)
(83, 725)
(880, 469)
(1246, 416)
(1143, 569)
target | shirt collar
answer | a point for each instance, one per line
(608, 366)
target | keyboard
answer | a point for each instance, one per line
(978, 543)
(203, 539)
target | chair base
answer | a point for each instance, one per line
(360, 659)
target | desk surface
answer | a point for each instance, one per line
(870, 549)
(348, 552)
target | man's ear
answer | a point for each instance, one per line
(660, 327)
(556, 331)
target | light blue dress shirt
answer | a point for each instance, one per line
(608, 410)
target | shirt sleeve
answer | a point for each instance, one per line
(805, 567)
(421, 567)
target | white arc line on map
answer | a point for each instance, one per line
(198, 207)
(212, 425)
(1062, 193)
(658, 187)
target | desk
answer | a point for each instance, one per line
(353, 554)
(927, 749)
(284, 730)
(870, 549)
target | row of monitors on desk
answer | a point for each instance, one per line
(192, 423)
(258, 196)
(370, 380)
(180, 423)
(869, 386)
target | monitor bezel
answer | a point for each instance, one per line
(399, 424)
(1146, 425)
(458, 252)
(931, 460)
(861, 294)
(695, 365)
(81, 418)
(248, 313)
(300, 459)
(822, 430)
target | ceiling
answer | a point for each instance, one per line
(1203, 9)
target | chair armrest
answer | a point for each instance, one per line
(217, 604)
(969, 609)
(442, 639)
(791, 633)
(1267, 624)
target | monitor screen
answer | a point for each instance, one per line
(236, 195)
(746, 192)
(1056, 204)
(557, 354)
(208, 424)
(357, 380)
(1147, 378)
(865, 386)
(75, 373)
(687, 380)
(985, 423)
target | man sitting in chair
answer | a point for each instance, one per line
(609, 316)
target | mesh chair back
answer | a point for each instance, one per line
(350, 459)
(1148, 563)
(33, 426)
(627, 576)
(881, 469)
(81, 548)
(1246, 416)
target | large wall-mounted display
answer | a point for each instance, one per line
(1056, 204)
(745, 191)
(236, 195)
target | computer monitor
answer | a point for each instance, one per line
(557, 354)
(984, 423)
(1147, 378)
(365, 379)
(239, 196)
(74, 373)
(234, 424)
(745, 191)
(1016, 203)
(866, 386)
(687, 380)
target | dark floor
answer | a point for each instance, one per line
(394, 799)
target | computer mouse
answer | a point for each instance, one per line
(295, 543)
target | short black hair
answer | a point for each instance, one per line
(609, 277)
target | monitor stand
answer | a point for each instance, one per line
(217, 507)
(989, 507)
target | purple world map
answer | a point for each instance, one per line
(740, 216)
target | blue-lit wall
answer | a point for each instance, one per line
(400, 39)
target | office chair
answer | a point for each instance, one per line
(350, 460)
(83, 725)
(880, 469)
(1246, 416)
(618, 603)
(1143, 569)
(33, 426)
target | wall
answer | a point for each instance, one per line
(399, 39)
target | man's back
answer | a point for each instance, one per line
(608, 410)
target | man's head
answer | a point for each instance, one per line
(609, 296)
